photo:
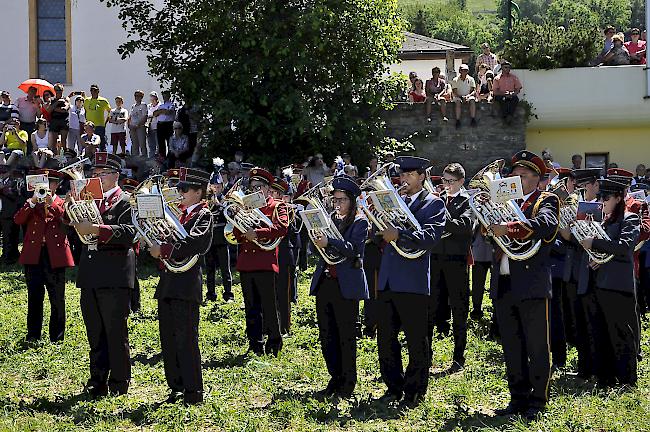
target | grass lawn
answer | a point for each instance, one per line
(472, 5)
(40, 385)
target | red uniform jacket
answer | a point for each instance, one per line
(44, 230)
(641, 208)
(251, 257)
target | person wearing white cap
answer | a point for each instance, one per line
(463, 88)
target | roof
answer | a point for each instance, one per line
(415, 44)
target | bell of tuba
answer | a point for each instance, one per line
(489, 213)
(243, 218)
(315, 199)
(84, 208)
(156, 231)
(400, 217)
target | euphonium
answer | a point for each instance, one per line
(244, 219)
(314, 199)
(400, 218)
(156, 231)
(489, 213)
(581, 229)
(83, 209)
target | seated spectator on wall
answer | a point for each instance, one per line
(485, 83)
(41, 136)
(90, 140)
(636, 48)
(417, 95)
(463, 88)
(437, 91)
(618, 54)
(13, 138)
(412, 77)
(486, 58)
(506, 88)
(608, 43)
(576, 161)
(179, 147)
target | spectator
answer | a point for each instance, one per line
(137, 125)
(349, 166)
(152, 120)
(316, 170)
(641, 174)
(612, 165)
(28, 109)
(13, 141)
(417, 94)
(618, 55)
(487, 57)
(463, 89)
(166, 114)
(59, 109)
(636, 48)
(437, 91)
(7, 109)
(41, 136)
(412, 77)
(486, 80)
(179, 147)
(609, 39)
(76, 122)
(117, 119)
(576, 161)
(506, 88)
(96, 109)
(373, 166)
(189, 116)
(91, 141)
(45, 105)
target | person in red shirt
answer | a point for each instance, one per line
(637, 48)
(258, 269)
(46, 254)
(417, 95)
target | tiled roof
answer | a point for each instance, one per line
(415, 43)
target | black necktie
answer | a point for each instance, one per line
(408, 200)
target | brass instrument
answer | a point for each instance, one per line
(83, 209)
(41, 192)
(400, 218)
(244, 219)
(489, 213)
(156, 231)
(315, 199)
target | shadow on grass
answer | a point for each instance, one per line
(475, 421)
(572, 385)
(146, 359)
(232, 360)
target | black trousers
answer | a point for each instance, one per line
(164, 132)
(644, 284)
(337, 318)
(571, 307)
(407, 312)
(285, 289)
(558, 337)
(218, 256)
(508, 104)
(371, 261)
(105, 312)
(455, 276)
(524, 328)
(10, 234)
(612, 326)
(39, 278)
(178, 321)
(480, 270)
(136, 301)
(260, 302)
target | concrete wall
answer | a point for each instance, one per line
(14, 31)
(443, 143)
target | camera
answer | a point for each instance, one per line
(41, 192)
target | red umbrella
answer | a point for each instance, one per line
(40, 84)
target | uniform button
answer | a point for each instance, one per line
(33, 232)
(57, 245)
(32, 241)
(526, 265)
(90, 256)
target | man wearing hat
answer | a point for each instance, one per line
(106, 275)
(179, 294)
(288, 252)
(404, 288)
(258, 269)
(219, 253)
(522, 291)
(506, 89)
(45, 255)
(463, 89)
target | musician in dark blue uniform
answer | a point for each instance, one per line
(404, 289)
(338, 289)
(219, 254)
(522, 291)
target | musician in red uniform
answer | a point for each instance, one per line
(45, 255)
(258, 269)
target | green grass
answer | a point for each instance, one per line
(472, 5)
(40, 385)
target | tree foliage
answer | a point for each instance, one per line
(276, 79)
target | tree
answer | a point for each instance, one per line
(279, 80)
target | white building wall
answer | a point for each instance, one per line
(14, 31)
(422, 67)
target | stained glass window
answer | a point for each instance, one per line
(52, 40)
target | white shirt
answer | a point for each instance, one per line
(192, 207)
(118, 114)
(76, 117)
(414, 196)
(138, 113)
(27, 110)
(110, 192)
(154, 120)
(169, 105)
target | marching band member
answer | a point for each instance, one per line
(12, 198)
(613, 316)
(338, 289)
(105, 277)
(258, 269)
(288, 251)
(128, 185)
(371, 262)
(404, 289)
(523, 290)
(449, 261)
(45, 255)
(219, 253)
(179, 294)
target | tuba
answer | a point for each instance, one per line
(244, 219)
(83, 209)
(581, 229)
(155, 231)
(315, 199)
(489, 213)
(400, 217)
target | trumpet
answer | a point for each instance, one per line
(83, 209)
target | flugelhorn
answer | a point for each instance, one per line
(83, 209)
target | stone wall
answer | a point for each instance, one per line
(473, 147)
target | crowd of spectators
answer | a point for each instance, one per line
(618, 52)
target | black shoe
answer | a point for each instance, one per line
(531, 413)
(476, 315)
(511, 409)
(473, 122)
(174, 397)
(328, 391)
(391, 396)
(457, 124)
(344, 394)
(192, 398)
(228, 298)
(255, 349)
(456, 366)
(210, 297)
(273, 347)
(413, 400)
(97, 391)
(118, 391)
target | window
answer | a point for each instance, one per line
(51, 44)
